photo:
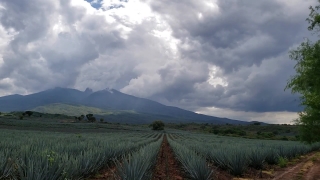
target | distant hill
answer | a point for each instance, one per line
(105, 103)
(71, 110)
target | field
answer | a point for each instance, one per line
(55, 147)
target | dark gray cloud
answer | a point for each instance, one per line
(248, 41)
(228, 54)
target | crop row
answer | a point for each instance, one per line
(195, 165)
(138, 165)
(236, 154)
(39, 155)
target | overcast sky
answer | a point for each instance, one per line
(227, 58)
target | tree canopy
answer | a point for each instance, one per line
(306, 82)
(157, 125)
(91, 118)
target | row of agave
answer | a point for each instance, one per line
(195, 165)
(39, 155)
(236, 154)
(138, 165)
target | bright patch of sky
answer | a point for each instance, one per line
(95, 3)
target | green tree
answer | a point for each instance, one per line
(306, 82)
(29, 113)
(80, 118)
(157, 125)
(91, 118)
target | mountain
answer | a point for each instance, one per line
(107, 100)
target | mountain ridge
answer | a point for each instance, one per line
(107, 99)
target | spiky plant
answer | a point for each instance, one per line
(195, 165)
(257, 157)
(238, 162)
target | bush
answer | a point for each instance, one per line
(91, 118)
(282, 162)
(29, 113)
(157, 125)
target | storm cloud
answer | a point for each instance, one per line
(208, 56)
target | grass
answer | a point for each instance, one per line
(283, 162)
(62, 123)
(75, 110)
(265, 131)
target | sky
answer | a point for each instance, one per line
(226, 58)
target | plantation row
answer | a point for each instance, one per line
(31, 155)
(39, 155)
(232, 154)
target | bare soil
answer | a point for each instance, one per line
(306, 168)
(108, 173)
(167, 166)
(314, 172)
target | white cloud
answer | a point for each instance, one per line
(282, 117)
(213, 53)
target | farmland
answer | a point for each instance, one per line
(57, 148)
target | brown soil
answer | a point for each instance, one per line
(314, 172)
(300, 170)
(167, 166)
(107, 173)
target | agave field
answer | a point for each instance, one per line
(38, 155)
(197, 152)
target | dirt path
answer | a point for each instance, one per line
(307, 169)
(167, 167)
(314, 172)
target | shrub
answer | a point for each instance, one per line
(282, 162)
(29, 113)
(91, 118)
(157, 125)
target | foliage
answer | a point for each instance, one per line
(257, 158)
(238, 162)
(283, 162)
(137, 165)
(80, 118)
(29, 113)
(157, 125)
(235, 154)
(272, 156)
(195, 165)
(31, 155)
(91, 118)
(306, 82)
